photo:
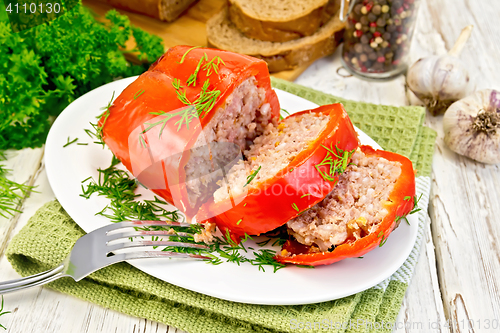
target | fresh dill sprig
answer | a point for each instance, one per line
(382, 242)
(252, 175)
(97, 133)
(3, 313)
(265, 257)
(206, 101)
(413, 211)
(185, 54)
(11, 194)
(336, 161)
(203, 104)
(139, 93)
(213, 65)
(194, 76)
(285, 111)
(119, 188)
(70, 142)
(415, 204)
(116, 185)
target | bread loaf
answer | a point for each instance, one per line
(165, 10)
(281, 21)
(223, 34)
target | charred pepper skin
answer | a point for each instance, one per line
(398, 205)
(154, 92)
(266, 206)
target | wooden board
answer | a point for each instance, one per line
(188, 29)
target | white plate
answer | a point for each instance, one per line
(67, 167)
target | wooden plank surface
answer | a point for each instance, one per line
(457, 277)
(188, 29)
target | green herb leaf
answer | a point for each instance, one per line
(11, 194)
(252, 176)
(336, 162)
(70, 142)
(3, 313)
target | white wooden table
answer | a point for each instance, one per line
(457, 279)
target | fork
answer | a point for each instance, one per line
(101, 248)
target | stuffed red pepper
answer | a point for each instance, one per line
(371, 197)
(165, 126)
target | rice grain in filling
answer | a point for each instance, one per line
(353, 209)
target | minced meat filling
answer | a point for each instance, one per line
(244, 116)
(353, 209)
(271, 152)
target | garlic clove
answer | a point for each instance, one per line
(439, 81)
(472, 126)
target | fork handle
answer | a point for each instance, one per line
(33, 280)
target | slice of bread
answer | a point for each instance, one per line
(277, 11)
(281, 24)
(165, 10)
(222, 34)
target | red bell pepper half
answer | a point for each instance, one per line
(401, 202)
(181, 76)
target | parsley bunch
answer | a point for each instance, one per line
(45, 68)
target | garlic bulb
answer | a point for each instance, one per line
(438, 81)
(472, 126)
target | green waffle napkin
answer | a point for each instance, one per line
(50, 233)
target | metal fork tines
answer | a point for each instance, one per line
(109, 245)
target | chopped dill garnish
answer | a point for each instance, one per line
(294, 206)
(70, 142)
(82, 144)
(279, 242)
(119, 188)
(194, 76)
(415, 204)
(97, 134)
(213, 65)
(285, 111)
(413, 211)
(382, 242)
(336, 161)
(305, 195)
(11, 193)
(199, 108)
(252, 176)
(139, 93)
(3, 313)
(264, 242)
(265, 257)
(239, 221)
(305, 266)
(185, 54)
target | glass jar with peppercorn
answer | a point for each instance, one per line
(377, 37)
